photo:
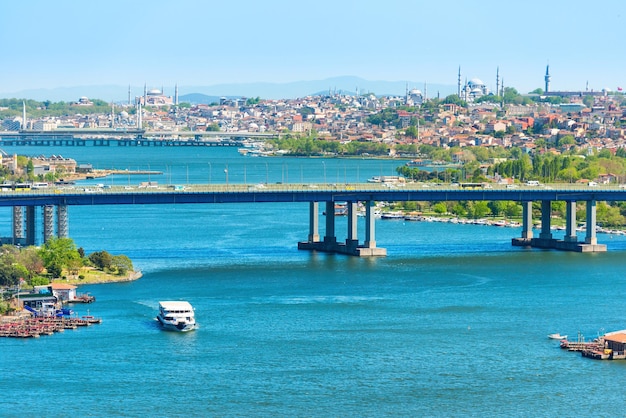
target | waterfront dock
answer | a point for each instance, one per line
(34, 327)
(610, 346)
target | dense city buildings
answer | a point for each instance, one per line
(584, 122)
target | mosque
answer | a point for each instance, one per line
(155, 97)
(414, 97)
(475, 88)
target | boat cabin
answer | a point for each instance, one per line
(616, 343)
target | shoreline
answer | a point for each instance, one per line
(132, 276)
(21, 315)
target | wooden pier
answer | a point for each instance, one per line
(610, 346)
(34, 327)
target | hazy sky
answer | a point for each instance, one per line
(60, 43)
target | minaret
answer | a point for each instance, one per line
(145, 93)
(466, 90)
(547, 79)
(425, 93)
(129, 102)
(176, 94)
(23, 115)
(406, 94)
(459, 83)
(139, 121)
(497, 81)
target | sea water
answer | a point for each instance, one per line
(453, 322)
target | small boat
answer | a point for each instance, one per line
(557, 336)
(176, 316)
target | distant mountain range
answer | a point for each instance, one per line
(210, 94)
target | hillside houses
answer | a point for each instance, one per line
(345, 118)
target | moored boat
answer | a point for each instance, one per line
(557, 336)
(176, 315)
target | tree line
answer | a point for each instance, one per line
(40, 265)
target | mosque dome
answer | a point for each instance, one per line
(476, 82)
(154, 92)
(415, 92)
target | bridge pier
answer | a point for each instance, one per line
(63, 230)
(570, 239)
(351, 245)
(18, 225)
(24, 225)
(48, 223)
(570, 222)
(30, 225)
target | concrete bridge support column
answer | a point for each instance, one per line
(527, 226)
(570, 223)
(545, 239)
(329, 236)
(48, 223)
(62, 222)
(527, 220)
(352, 240)
(30, 225)
(370, 225)
(369, 249)
(546, 213)
(18, 224)
(590, 237)
(314, 235)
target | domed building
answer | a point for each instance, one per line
(83, 101)
(414, 97)
(155, 97)
(474, 89)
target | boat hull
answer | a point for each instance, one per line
(178, 326)
(176, 316)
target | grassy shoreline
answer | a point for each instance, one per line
(94, 276)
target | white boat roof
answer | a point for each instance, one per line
(176, 305)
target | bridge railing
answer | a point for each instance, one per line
(306, 187)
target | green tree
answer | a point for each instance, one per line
(440, 208)
(29, 257)
(54, 270)
(478, 209)
(101, 260)
(566, 141)
(458, 209)
(58, 253)
(455, 99)
(122, 264)
(411, 132)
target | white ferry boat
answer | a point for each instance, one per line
(176, 315)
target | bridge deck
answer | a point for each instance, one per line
(259, 193)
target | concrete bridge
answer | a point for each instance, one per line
(55, 201)
(128, 137)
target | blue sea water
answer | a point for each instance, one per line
(453, 322)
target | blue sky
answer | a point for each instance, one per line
(61, 43)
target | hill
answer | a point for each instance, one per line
(194, 94)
